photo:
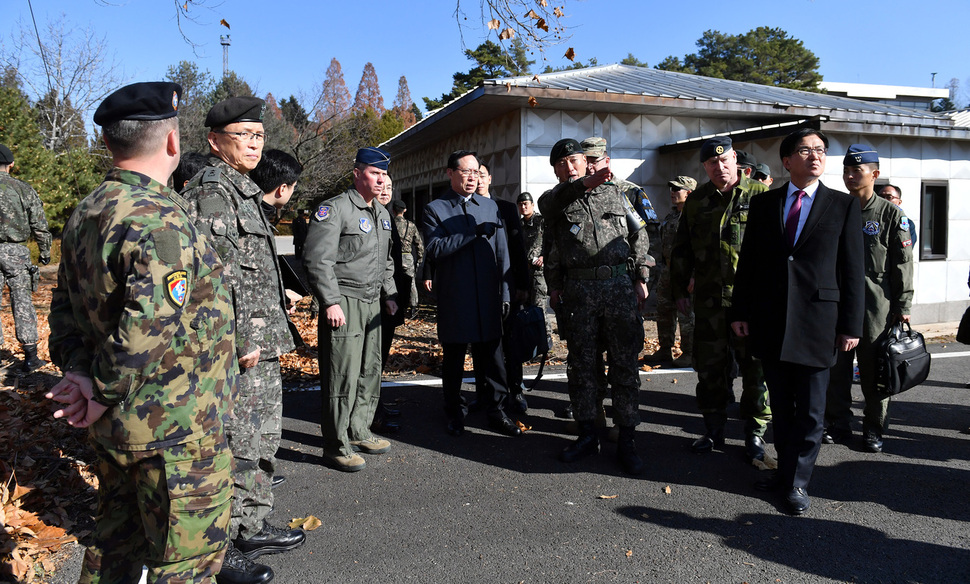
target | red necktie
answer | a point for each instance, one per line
(791, 223)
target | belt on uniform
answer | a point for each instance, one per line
(597, 273)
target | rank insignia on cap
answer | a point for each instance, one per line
(386, 223)
(323, 213)
(365, 225)
(904, 223)
(719, 150)
(871, 228)
(176, 287)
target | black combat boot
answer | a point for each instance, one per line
(713, 437)
(31, 361)
(586, 444)
(626, 451)
(238, 569)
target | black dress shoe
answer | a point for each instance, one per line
(504, 425)
(517, 402)
(566, 413)
(238, 569)
(270, 540)
(456, 427)
(277, 480)
(797, 501)
(873, 443)
(754, 448)
(713, 438)
(833, 435)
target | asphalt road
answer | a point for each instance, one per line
(492, 509)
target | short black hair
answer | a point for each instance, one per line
(189, 165)
(790, 143)
(458, 155)
(899, 192)
(481, 165)
(275, 168)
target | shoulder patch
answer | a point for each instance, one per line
(323, 213)
(211, 174)
(904, 223)
(167, 246)
(365, 225)
(871, 228)
(386, 223)
(177, 287)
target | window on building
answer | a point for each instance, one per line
(933, 222)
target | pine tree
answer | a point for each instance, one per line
(369, 92)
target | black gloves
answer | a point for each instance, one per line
(485, 229)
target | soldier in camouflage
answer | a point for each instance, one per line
(704, 259)
(667, 314)
(600, 275)
(141, 326)
(225, 205)
(22, 214)
(412, 249)
(532, 228)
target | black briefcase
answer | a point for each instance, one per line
(963, 333)
(902, 361)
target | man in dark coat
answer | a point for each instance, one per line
(799, 294)
(465, 240)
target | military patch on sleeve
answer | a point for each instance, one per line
(904, 223)
(575, 229)
(177, 287)
(871, 228)
(323, 212)
(365, 225)
(386, 223)
(907, 242)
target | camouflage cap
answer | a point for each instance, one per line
(150, 100)
(715, 147)
(235, 109)
(564, 147)
(683, 182)
(525, 196)
(6, 156)
(594, 147)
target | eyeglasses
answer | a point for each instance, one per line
(805, 151)
(467, 172)
(246, 136)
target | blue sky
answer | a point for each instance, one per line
(285, 47)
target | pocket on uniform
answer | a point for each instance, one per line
(348, 248)
(199, 492)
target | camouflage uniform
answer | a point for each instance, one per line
(532, 231)
(706, 248)
(348, 262)
(667, 314)
(21, 214)
(412, 252)
(226, 206)
(889, 293)
(641, 202)
(597, 251)
(141, 305)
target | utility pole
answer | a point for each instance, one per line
(224, 40)
(933, 80)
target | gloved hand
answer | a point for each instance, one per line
(485, 229)
(506, 307)
(45, 258)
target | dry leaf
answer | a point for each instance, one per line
(629, 553)
(508, 87)
(674, 380)
(532, 14)
(543, 3)
(541, 23)
(536, 78)
(308, 523)
(533, 102)
(494, 24)
(224, 23)
(667, 489)
(570, 54)
(522, 427)
(185, 7)
(558, 12)
(607, 496)
(507, 34)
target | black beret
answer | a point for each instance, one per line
(235, 109)
(399, 205)
(860, 154)
(6, 156)
(564, 147)
(526, 196)
(715, 147)
(373, 157)
(150, 100)
(745, 159)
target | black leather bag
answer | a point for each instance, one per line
(527, 335)
(902, 361)
(963, 333)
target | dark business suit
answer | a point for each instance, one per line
(796, 301)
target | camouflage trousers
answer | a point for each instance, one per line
(838, 399)
(604, 316)
(668, 316)
(15, 273)
(254, 432)
(715, 349)
(165, 509)
(350, 375)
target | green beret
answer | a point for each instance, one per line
(151, 100)
(235, 109)
(564, 147)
